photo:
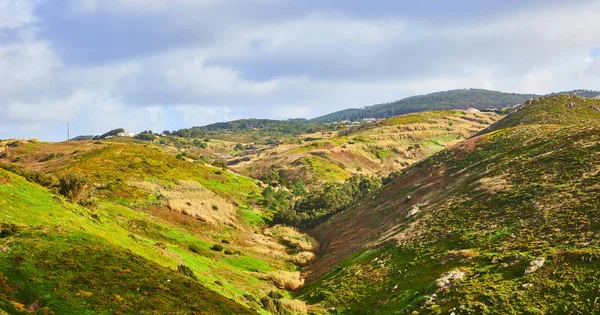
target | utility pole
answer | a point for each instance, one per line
(68, 132)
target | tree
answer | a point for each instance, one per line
(298, 188)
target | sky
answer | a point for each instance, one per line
(171, 64)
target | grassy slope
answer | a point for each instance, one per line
(566, 109)
(370, 149)
(75, 261)
(135, 219)
(488, 207)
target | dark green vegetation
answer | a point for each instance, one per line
(264, 131)
(503, 223)
(316, 206)
(455, 99)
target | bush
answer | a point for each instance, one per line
(275, 295)
(194, 249)
(146, 137)
(186, 271)
(217, 247)
(7, 230)
(49, 157)
(229, 252)
(75, 188)
(220, 163)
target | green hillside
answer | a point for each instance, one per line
(145, 233)
(564, 109)
(370, 149)
(503, 223)
(59, 257)
(454, 99)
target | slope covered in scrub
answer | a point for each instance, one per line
(506, 222)
(562, 109)
(369, 149)
(60, 257)
(157, 217)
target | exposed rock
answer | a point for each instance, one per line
(413, 211)
(535, 264)
(495, 260)
(450, 277)
(596, 108)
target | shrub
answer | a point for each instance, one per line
(225, 242)
(49, 157)
(229, 252)
(217, 247)
(17, 159)
(146, 137)
(3, 155)
(186, 271)
(7, 230)
(75, 188)
(194, 249)
(303, 258)
(286, 280)
(220, 163)
(275, 295)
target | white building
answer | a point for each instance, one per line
(126, 134)
(472, 110)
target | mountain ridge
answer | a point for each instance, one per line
(451, 99)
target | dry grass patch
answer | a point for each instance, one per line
(295, 306)
(286, 280)
(191, 198)
(291, 238)
(303, 258)
(495, 184)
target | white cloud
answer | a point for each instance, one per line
(303, 65)
(16, 13)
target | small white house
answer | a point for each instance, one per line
(472, 110)
(126, 134)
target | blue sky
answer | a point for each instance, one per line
(163, 64)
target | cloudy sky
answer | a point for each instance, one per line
(169, 64)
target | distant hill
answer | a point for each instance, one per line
(454, 99)
(376, 148)
(290, 126)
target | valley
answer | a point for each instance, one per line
(430, 212)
